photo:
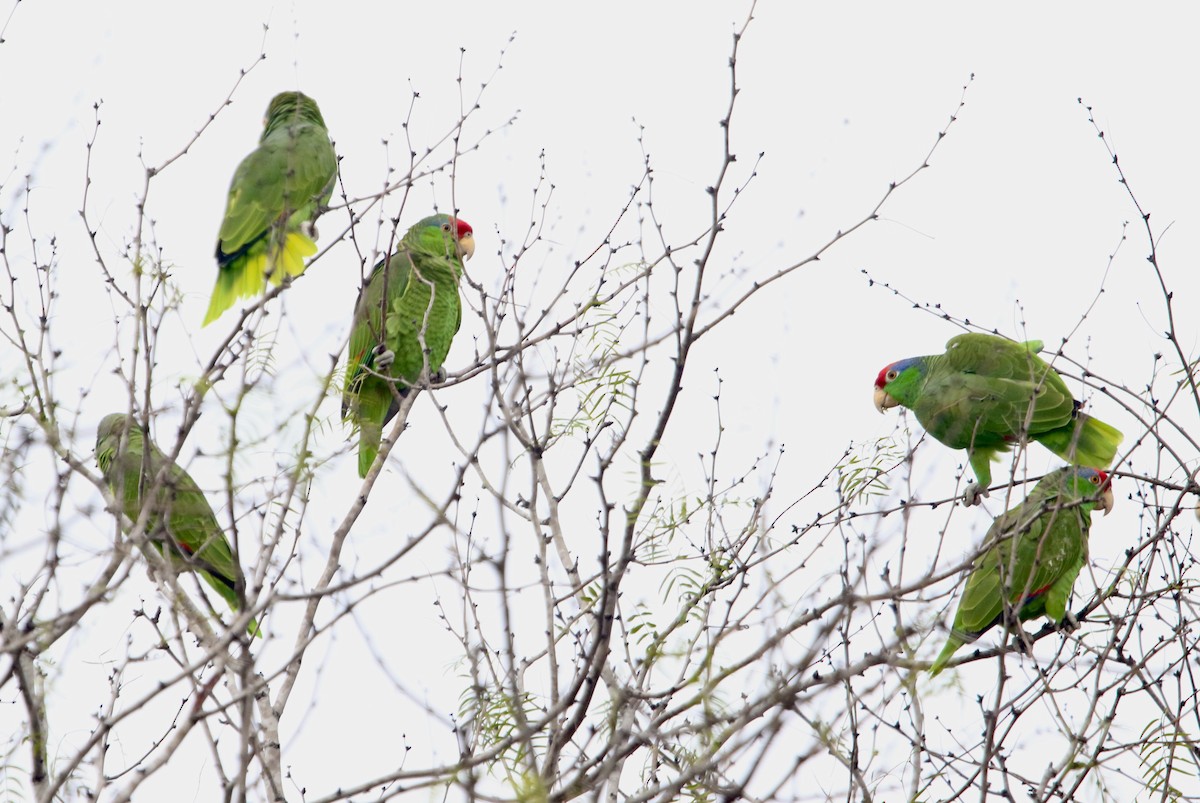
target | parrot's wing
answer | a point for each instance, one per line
(1060, 592)
(967, 407)
(982, 600)
(367, 330)
(1056, 555)
(1047, 555)
(993, 355)
(255, 197)
(1001, 359)
(1002, 571)
(286, 169)
(193, 527)
(185, 514)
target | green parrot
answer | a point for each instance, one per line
(182, 525)
(987, 393)
(1037, 550)
(418, 288)
(276, 194)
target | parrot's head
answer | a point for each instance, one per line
(1083, 482)
(897, 383)
(288, 107)
(466, 239)
(445, 234)
(108, 437)
(1098, 482)
(111, 426)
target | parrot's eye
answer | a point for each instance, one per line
(892, 374)
(1095, 479)
(445, 227)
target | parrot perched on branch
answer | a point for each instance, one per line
(182, 525)
(1036, 551)
(276, 194)
(404, 320)
(987, 393)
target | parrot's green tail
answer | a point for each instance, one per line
(369, 435)
(957, 639)
(1086, 441)
(939, 663)
(222, 298)
(245, 274)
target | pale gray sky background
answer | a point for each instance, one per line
(1012, 225)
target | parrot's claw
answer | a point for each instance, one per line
(437, 377)
(973, 495)
(309, 230)
(1022, 642)
(1069, 623)
(384, 357)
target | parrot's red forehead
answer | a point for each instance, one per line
(464, 228)
(881, 380)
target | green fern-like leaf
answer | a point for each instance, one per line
(1164, 754)
(862, 474)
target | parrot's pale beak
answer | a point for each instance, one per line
(466, 246)
(883, 401)
(1105, 502)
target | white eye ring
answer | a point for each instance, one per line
(892, 374)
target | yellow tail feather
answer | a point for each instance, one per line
(250, 280)
(296, 247)
(247, 277)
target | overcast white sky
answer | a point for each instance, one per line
(1019, 205)
(1013, 223)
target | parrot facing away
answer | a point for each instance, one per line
(987, 393)
(277, 192)
(182, 525)
(404, 320)
(1037, 550)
